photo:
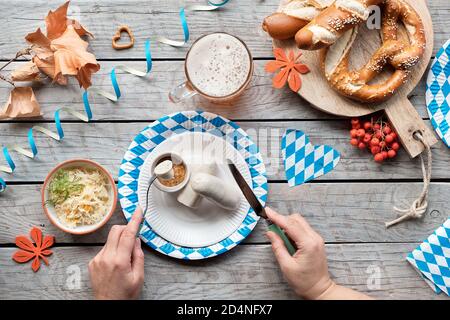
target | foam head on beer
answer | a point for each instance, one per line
(218, 65)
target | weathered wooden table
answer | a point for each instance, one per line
(348, 207)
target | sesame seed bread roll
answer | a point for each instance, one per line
(333, 22)
(292, 17)
(280, 26)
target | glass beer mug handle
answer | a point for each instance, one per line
(181, 92)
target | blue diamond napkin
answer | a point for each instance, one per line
(432, 259)
(303, 161)
(438, 93)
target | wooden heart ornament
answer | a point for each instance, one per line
(304, 162)
(118, 35)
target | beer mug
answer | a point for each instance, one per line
(218, 67)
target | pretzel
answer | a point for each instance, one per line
(401, 54)
(326, 28)
(292, 17)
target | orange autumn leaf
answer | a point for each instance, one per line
(22, 103)
(72, 58)
(290, 69)
(40, 45)
(36, 251)
(27, 72)
(57, 22)
(62, 52)
(43, 55)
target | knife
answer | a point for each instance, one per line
(259, 209)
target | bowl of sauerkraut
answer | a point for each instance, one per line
(79, 196)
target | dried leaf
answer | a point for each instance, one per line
(71, 57)
(22, 256)
(28, 72)
(48, 67)
(82, 31)
(40, 44)
(22, 103)
(57, 23)
(43, 58)
(63, 33)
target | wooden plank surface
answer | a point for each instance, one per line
(102, 17)
(350, 212)
(106, 143)
(148, 96)
(247, 272)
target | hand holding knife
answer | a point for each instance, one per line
(259, 209)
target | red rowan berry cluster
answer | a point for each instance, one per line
(376, 136)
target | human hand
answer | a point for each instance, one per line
(117, 271)
(306, 271)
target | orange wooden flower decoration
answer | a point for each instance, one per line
(36, 251)
(290, 69)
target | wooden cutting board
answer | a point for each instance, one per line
(401, 113)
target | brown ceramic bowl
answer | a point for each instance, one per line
(50, 211)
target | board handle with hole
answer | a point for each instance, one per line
(406, 121)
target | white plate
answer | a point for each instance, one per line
(208, 224)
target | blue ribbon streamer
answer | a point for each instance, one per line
(185, 25)
(209, 7)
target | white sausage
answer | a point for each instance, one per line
(214, 189)
(188, 196)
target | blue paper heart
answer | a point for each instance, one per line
(304, 162)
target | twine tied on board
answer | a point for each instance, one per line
(420, 205)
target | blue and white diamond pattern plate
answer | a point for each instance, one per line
(432, 258)
(178, 123)
(303, 161)
(438, 93)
